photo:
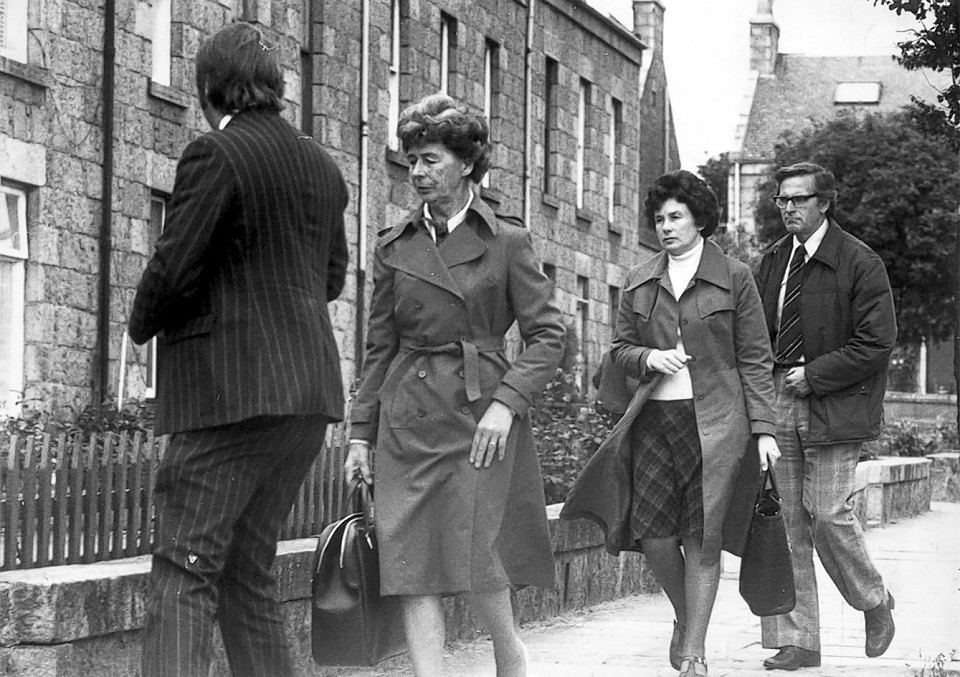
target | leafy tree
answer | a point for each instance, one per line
(936, 45)
(899, 193)
(715, 172)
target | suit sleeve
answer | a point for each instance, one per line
(874, 333)
(203, 194)
(383, 342)
(541, 325)
(337, 267)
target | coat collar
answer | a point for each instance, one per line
(713, 268)
(412, 219)
(828, 252)
(414, 252)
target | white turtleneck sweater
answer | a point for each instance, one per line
(680, 270)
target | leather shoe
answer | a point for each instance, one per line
(880, 628)
(793, 658)
(676, 644)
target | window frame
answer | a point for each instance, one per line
(491, 90)
(16, 256)
(161, 61)
(448, 51)
(393, 76)
(583, 105)
(150, 380)
(615, 113)
(551, 77)
(14, 30)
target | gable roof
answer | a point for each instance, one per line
(803, 88)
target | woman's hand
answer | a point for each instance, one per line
(769, 451)
(491, 437)
(667, 361)
(358, 461)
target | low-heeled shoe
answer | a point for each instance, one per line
(880, 628)
(793, 658)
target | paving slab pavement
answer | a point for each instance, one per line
(918, 557)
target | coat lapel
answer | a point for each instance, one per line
(413, 252)
(464, 244)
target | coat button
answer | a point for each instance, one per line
(686, 321)
(418, 304)
(421, 413)
(460, 373)
(422, 374)
(699, 397)
(706, 433)
(465, 411)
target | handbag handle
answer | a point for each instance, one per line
(769, 481)
(360, 499)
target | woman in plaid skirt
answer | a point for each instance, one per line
(691, 328)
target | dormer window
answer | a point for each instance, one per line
(857, 93)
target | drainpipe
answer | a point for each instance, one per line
(362, 216)
(100, 390)
(528, 122)
(736, 192)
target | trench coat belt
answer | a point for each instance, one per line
(469, 347)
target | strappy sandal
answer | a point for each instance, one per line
(693, 666)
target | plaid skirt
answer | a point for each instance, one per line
(667, 472)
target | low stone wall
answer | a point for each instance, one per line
(86, 620)
(892, 488)
(945, 476)
(919, 407)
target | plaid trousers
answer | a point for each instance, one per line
(817, 485)
(222, 497)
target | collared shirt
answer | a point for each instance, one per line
(811, 245)
(224, 121)
(454, 221)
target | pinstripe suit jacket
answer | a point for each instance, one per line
(252, 250)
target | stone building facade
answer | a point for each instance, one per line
(98, 101)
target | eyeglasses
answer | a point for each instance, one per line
(783, 200)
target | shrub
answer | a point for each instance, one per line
(568, 431)
(909, 438)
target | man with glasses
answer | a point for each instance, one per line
(830, 315)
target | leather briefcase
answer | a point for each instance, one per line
(352, 624)
(766, 568)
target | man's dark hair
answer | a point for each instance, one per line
(237, 70)
(824, 182)
(691, 190)
(439, 118)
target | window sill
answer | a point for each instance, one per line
(551, 200)
(492, 195)
(37, 76)
(396, 157)
(586, 217)
(168, 94)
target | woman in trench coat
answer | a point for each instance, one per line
(690, 327)
(441, 411)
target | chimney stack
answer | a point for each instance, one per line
(648, 26)
(764, 39)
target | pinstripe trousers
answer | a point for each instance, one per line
(222, 497)
(817, 485)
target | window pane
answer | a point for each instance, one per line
(12, 222)
(11, 333)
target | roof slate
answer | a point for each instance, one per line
(802, 90)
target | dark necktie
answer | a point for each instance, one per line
(790, 336)
(440, 230)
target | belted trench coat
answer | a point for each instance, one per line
(721, 322)
(434, 362)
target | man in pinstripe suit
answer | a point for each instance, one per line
(248, 370)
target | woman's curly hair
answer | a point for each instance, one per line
(691, 190)
(439, 118)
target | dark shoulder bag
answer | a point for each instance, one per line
(766, 569)
(352, 624)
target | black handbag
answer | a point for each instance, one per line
(352, 624)
(766, 568)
